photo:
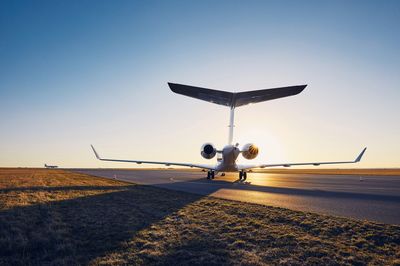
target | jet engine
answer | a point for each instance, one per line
(208, 151)
(250, 151)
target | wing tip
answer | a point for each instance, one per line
(95, 152)
(301, 88)
(359, 157)
(174, 87)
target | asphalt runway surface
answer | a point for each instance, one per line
(375, 198)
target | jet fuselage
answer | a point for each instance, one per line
(230, 154)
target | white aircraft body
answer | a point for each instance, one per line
(231, 152)
(50, 166)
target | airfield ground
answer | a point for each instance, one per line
(373, 197)
(54, 217)
(354, 171)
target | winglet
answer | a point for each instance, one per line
(360, 156)
(95, 152)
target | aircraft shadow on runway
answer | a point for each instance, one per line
(211, 186)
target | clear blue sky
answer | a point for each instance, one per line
(79, 72)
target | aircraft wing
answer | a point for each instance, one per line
(245, 167)
(233, 99)
(191, 165)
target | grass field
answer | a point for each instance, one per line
(53, 217)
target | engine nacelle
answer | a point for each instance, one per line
(250, 151)
(208, 151)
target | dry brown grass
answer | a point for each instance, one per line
(52, 217)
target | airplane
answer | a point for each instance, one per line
(50, 166)
(228, 155)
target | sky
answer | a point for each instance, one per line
(75, 73)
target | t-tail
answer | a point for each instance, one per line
(235, 99)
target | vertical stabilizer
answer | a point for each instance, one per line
(231, 125)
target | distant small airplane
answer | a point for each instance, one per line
(230, 153)
(50, 166)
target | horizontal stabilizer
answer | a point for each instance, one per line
(235, 99)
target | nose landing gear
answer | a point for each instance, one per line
(242, 176)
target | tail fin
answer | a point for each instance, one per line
(235, 99)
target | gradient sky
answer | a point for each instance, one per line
(75, 73)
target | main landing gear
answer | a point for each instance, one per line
(242, 176)
(210, 175)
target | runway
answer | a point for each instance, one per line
(375, 198)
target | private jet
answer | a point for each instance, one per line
(50, 166)
(228, 155)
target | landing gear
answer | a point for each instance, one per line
(210, 175)
(242, 176)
